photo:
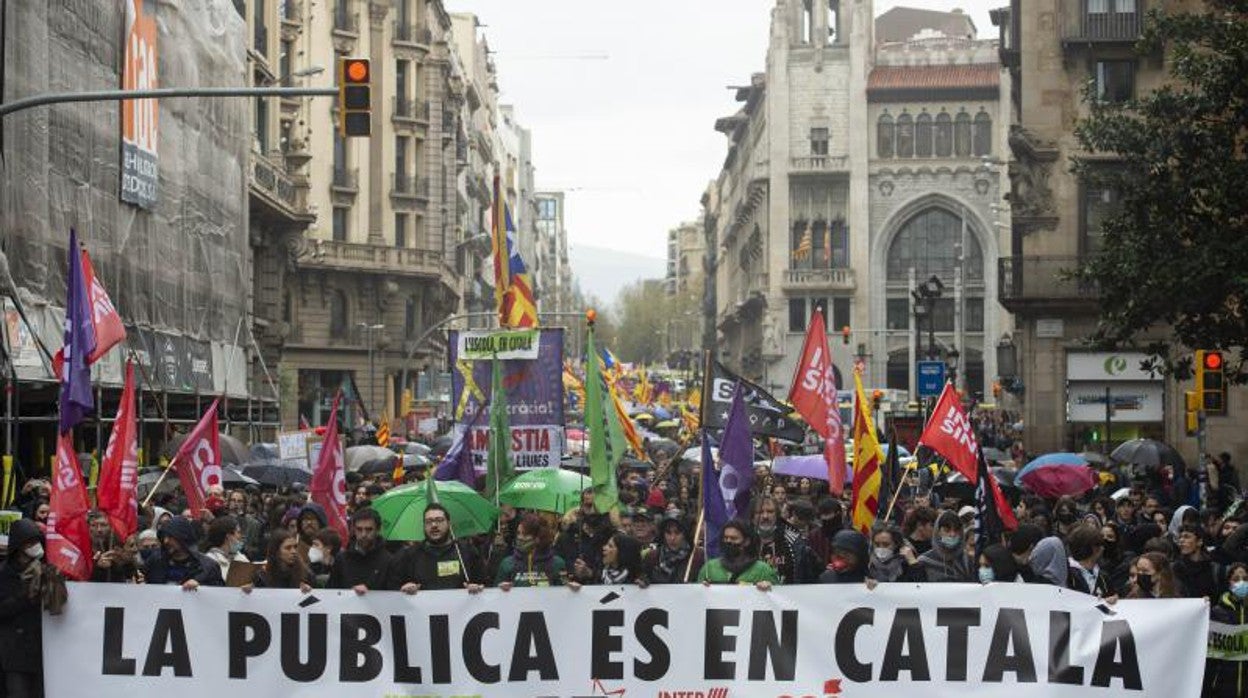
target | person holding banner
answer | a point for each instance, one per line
(1229, 678)
(533, 562)
(621, 563)
(440, 562)
(178, 562)
(284, 567)
(738, 562)
(365, 562)
(947, 561)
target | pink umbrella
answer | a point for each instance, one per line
(1057, 475)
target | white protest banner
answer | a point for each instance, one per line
(1021, 641)
(478, 345)
(1228, 642)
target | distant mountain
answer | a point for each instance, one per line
(603, 272)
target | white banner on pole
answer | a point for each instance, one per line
(936, 640)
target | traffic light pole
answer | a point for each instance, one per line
(163, 92)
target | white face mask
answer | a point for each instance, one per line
(35, 551)
(315, 555)
(883, 554)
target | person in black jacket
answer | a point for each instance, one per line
(440, 562)
(284, 567)
(179, 562)
(1192, 568)
(25, 583)
(1223, 678)
(1086, 546)
(849, 559)
(364, 563)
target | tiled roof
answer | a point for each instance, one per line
(973, 76)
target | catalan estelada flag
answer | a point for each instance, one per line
(867, 459)
(513, 285)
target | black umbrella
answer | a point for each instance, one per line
(233, 451)
(995, 455)
(277, 475)
(1148, 453)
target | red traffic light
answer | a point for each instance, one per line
(356, 70)
(1213, 361)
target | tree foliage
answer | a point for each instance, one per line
(1176, 254)
(643, 309)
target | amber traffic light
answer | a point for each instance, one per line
(1191, 412)
(1211, 381)
(355, 99)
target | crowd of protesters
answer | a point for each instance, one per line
(1146, 543)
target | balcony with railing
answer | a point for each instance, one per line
(820, 164)
(376, 259)
(410, 112)
(411, 35)
(819, 280)
(272, 187)
(1043, 281)
(1104, 22)
(346, 180)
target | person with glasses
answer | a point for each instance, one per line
(440, 562)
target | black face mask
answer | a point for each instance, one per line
(829, 527)
(1066, 516)
(1144, 582)
(731, 550)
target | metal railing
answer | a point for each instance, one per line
(821, 163)
(269, 177)
(1041, 278)
(1106, 27)
(819, 278)
(388, 259)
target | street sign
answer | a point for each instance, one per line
(931, 378)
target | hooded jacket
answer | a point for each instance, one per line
(1049, 563)
(849, 541)
(21, 618)
(162, 569)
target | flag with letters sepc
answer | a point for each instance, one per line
(768, 416)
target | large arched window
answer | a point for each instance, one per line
(944, 135)
(962, 135)
(338, 320)
(884, 136)
(983, 133)
(923, 136)
(905, 136)
(929, 243)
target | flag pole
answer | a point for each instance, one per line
(901, 481)
(694, 543)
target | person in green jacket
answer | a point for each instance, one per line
(738, 562)
(532, 562)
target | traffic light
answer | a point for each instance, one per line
(996, 389)
(876, 397)
(845, 335)
(1191, 411)
(355, 100)
(1211, 381)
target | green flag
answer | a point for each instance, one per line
(606, 436)
(431, 489)
(499, 469)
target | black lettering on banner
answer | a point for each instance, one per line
(404, 672)
(1011, 629)
(1060, 668)
(780, 648)
(1116, 634)
(440, 648)
(168, 631)
(249, 637)
(476, 664)
(843, 645)
(714, 667)
(660, 655)
(906, 634)
(959, 621)
(531, 634)
(114, 633)
(358, 659)
(605, 643)
(318, 630)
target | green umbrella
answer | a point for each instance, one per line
(402, 510)
(545, 489)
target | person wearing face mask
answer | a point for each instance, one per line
(850, 555)
(321, 555)
(224, 545)
(831, 520)
(28, 586)
(1229, 679)
(738, 561)
(1065, 516)
(1152, 578)
(253, 532)
(891, 559)
(532, 562)
(996, 564)
(947, 561)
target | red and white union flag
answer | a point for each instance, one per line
(949, 433)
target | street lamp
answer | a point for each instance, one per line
(925, 297)
(372, 384)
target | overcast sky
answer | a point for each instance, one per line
(622, 98)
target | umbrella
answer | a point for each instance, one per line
(442, 444)
(402, 510)
(1057, 475)
(233, 451)
(356, 457)
(230, 476)
(695, 454)
(415, 448)
(995, 455)
(545, 489)
(574, 434)
(643, 417)
(667, 424)
(1148, 453)
(1094, 458)
(270, 475)
(662, 414)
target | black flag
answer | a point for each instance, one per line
(768, 416)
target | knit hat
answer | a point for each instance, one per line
(656, 500)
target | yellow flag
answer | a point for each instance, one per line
(867, 460)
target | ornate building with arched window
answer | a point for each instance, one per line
(862, 162)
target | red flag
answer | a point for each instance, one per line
(329, 481)
(814, 397)
(120, 470)
(108, 328)
(69, 539)
(949, 433)
(199, 460)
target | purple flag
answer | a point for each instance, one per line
(76, 399)
(714, 513)
(457, 463)
(736, 458)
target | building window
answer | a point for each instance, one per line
(401, 178)
(400, 87)
(262, 125)
(340, 154)
(820, 245)
(962, 135)
(840, 314)
(261, 29)
(897, 313)
(898, 374)
(884, 136)
(801, 309)
(983, 134)
(1115, 81)
(944, 135)
(797, 314)
(834, 21)
(818, 141)
(973, 316)
(400, 230)
(808, 21)
(905, 136)
(285, 60)
(1098, 203)
(412, 317)
(929, 243)
(340, 224)
(923, 136)
(338, 321)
